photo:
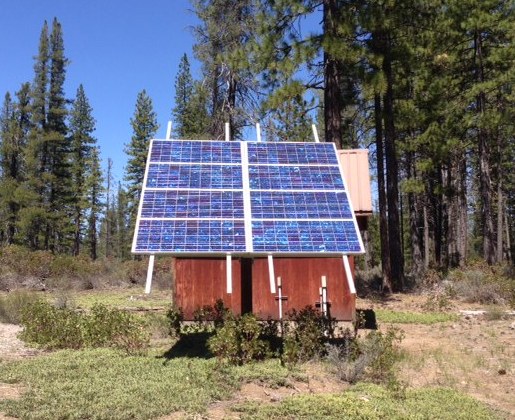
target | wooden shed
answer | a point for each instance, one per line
(201, 281)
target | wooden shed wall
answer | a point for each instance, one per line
(201, 281)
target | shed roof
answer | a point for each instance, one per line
(357, 174)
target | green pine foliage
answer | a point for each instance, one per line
(85, 171)
(144, 126)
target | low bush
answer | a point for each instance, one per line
(372, 357)
(239, 340)
(479, 283)
(44, 270)
(175, 317)
(305, 334)
(13, 303)
(207, 318)
(58, 328)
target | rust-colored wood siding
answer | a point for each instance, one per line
(201, 281)
(301, 280)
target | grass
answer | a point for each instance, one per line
(426, 318)
(104, 384)
(368, 401)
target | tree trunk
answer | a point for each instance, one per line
(414, 221)
(231, 100)
(500, 212)
(392, 174)
(485, 183)
(463, 213)
(426, 238)
(383, 220)
(333, 97)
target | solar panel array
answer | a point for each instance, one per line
(214, 197)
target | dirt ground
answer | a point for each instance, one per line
(473, 354)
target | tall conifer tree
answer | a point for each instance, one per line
(144, 126)
(84, 158)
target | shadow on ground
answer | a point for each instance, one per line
(190, 345)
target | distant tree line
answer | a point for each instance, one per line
(427, 86)
(51, 184)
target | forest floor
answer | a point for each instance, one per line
(473, 354)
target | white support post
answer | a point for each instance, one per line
(280, 295)
(315, 133)
(169, 131)
(271, 274)
(258, 132)
(150, 271)
(227, 132)
(348, 273)
(323, 289)
(228, 263)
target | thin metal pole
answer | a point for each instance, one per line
(169, 131)
(258, 132)
(271, 274)
(324, 295)
(315, 133)
(227, 132)
(228, 263)
(150, 271)
(280, 293)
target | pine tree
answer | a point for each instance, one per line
(94, 193)
(59, 231)
(45, 220)
(34, 215)
(329, 54)
(184, 124)
(144, 126)
(291, 121)
(124, 224)
(14, 127)
(225, 31)
(84, 170)
(7, 135)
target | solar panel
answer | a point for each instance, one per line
(251, 198)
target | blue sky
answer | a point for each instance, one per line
(116, 49)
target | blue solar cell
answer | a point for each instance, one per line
(295, 177)
(300, 205)
(292, 153)
(192, 204)
(305, 236)
(194, 176)
(195, 151)
(191, 236)
(193, 200)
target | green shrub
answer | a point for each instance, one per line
(372, 358)
(175, 317)
(51, 327)
(239, 340)
(13, 303)
(58, 328)
(208, 317)
(437, 301)
(304, 334)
